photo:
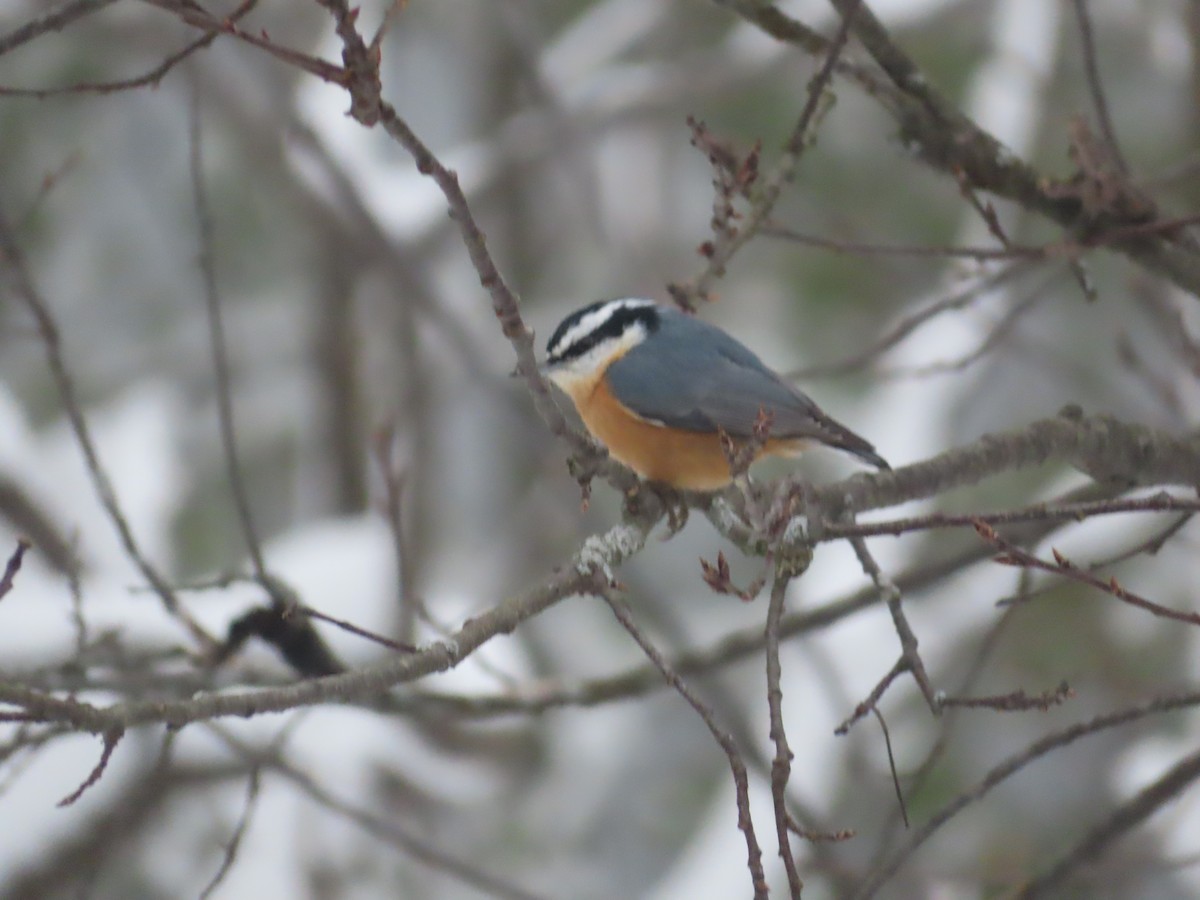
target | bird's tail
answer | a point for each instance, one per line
(839, 436)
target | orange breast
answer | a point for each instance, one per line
(691, 460)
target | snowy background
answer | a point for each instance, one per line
(353, 312)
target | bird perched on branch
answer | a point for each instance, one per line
(673, 397)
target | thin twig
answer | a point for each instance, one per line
(603, 552)
(218, 345)
(942, 137)
(730, 240)
(111, 738)
(1120, 822)
(997, 333)
(741, 781)
(1040, 512)
(13, 259)
(1009, 767)
(871, 701)
(781, 765)
(910, 656)
(235, 840)
(384, 829)
(197, 17)
(13, 566)
(351, 628)
(55, 21)
(887, 742)
(1011, 253)
(395, 483)
(1091, 69)
(1013, 555)
(958, 299)
(151, 78)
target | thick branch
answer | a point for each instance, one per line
(947, 140)
(1109, 450)
(597, 554)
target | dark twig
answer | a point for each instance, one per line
(887, 742)
(351, 628)
(945, 139)
(910, 657)
(997, 775)
(873, 698)
(604, 552)
(1120, 822)
(1150, 546)
(218, 344)
(734, 647)
(55, 21)
(729, 240)
(387, 830)
(1010, 253)
(13, 259)
(13, 566)
(1012, 555)
(950, 721)
(1041, 512)
(394, 483)
(1095, 86)
(1017, 701)
(28, 517)
(197, 17)
(781, 765)
(996, 334)
(235, 840)
(150, 78)
(741, 781)
(112, 737)
(956, 300)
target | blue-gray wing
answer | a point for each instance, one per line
(696, 377)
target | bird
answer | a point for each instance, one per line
(659, 387)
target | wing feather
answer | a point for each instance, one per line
(698, 378)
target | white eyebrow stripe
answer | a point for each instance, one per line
(595, 320)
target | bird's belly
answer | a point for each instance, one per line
(689, 460)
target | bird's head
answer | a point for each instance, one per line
(590, 339)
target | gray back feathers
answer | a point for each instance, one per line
(692, 375)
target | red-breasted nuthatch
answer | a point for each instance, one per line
(657, 387)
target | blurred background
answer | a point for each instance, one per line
(366, 364)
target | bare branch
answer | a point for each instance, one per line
(112, 737)
(1010, 767)
(781, 765)
(55, 21)
(218, 344)
(13, 566)
(1120, 822)
(729, 239)
(1014, 555)
(148, 79)
(741, 781)
(14, 260)
(1092, 67)
(235, 839)
(598, 554)
(949, 141)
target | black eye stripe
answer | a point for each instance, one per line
(613, 327)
